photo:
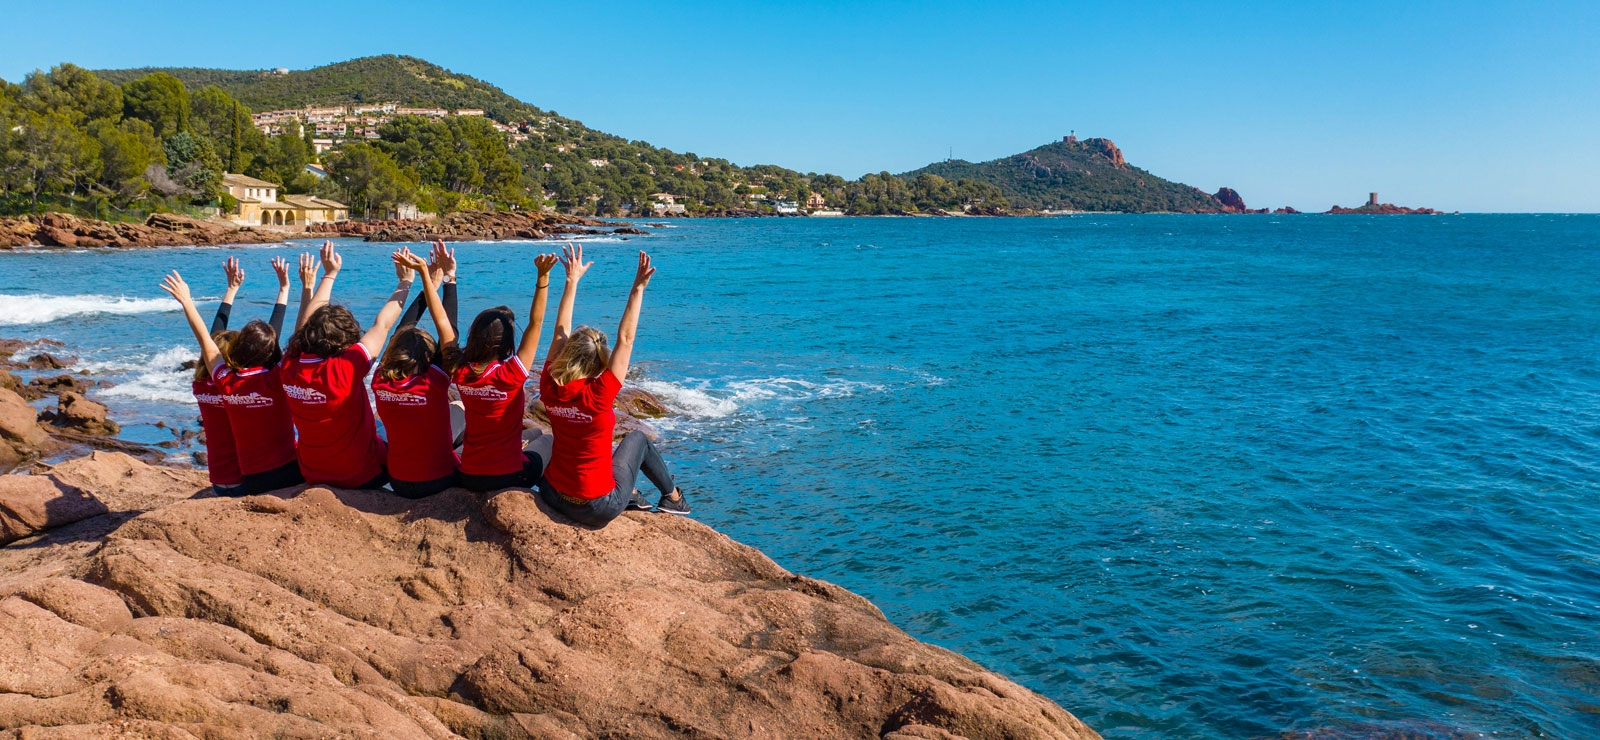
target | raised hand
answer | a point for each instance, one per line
(406, 263)
(308, 270)
(175, 286)
(331, 261)
(545, 263)
(641, 277)
(281, 266)
(235, 273)
(572, 261)
(444, 260)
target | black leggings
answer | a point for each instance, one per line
(634, 454)
(288, 475)
(535, 457)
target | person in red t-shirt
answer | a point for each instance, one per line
(585, 479)
(412, 391)
(222, 454)
(324, 376)
(246, 378)
(489, 373)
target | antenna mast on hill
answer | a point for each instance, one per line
(951, 155)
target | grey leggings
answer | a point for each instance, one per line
(634, 454)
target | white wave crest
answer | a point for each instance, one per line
(702, 400)
(161, 380)
(39, 309)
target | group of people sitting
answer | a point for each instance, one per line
(276, 416)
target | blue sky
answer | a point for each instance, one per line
(1459, 106)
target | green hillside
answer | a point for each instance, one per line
(1088, 175)
(408, 81)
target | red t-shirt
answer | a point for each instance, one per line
(495, 402)
(416, 413)
(582, 421)
(258, 414)
(222, 453)
(339, 443)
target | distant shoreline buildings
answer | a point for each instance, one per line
(333, 125)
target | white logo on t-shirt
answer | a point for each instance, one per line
(483, 391)
(303, 394)
(570, 413)
(210, 399)
(403, 399)
(254, 400)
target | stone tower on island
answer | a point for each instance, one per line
(1372, 199)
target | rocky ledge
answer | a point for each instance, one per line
(137, 605)
(473, 226)
(1382, 209)
(159, 230)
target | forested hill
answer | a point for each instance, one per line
(409, 81)
(1087, 175)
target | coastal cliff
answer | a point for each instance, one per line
(315, 612)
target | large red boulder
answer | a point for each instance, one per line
(30, 504)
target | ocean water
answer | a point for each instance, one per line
(1191, 477)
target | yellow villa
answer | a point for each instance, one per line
(260, 205)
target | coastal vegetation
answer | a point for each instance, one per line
(120, 144)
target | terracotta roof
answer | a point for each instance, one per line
(309, 201)
(246, 181)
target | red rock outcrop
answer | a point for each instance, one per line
(468, 226)
(1382, 209)
(328, 613)
(30, 504)
(21, 436)
(159, 230)
(1286, 210)
(1230, 201)
(1106, 149)
(75, 412)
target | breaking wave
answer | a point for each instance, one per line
(39, 309)
(159, 377)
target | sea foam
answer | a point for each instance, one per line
(39, 309)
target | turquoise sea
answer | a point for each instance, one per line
(1189, 476)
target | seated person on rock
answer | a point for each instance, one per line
(489, 373)
(324, 375)
(586, 480)
(412, 390)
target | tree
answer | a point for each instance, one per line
(126, 151)
(74, 92)
(45, 152)
(217, 116)
(159, 99)
(193, 164)
(370, 179)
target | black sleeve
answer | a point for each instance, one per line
(450, 306)
(278, 309)
(413, 313)
(220, 321)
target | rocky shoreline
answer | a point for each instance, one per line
(159, 230)
(474, 226)
(135, 603)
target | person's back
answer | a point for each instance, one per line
(339, 443)
(494, 399)
(416, 414)
(582, 422)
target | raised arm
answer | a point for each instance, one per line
(308, 275)
(622, 353)
(209, 354)
(444, 262)
(331, 262)
(374, 338)
(430, 294)
(280, 306)
(235, 274)
(572, 263)
(528, 350)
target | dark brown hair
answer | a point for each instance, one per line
(329, 331)
(255, 346)
(410, 353)
(491, 339)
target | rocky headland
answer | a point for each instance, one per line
(474, 226)
(1382, 209)
(159, 230)
(135, 604)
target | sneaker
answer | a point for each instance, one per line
(637, 503)
(674, 505)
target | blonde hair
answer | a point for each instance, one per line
(584, 355)
(222, 339)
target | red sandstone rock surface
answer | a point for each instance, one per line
(1383, 209)
(327, 613)
(469, 226)
(159, 230)
(1231, 201)
(1107, 149)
